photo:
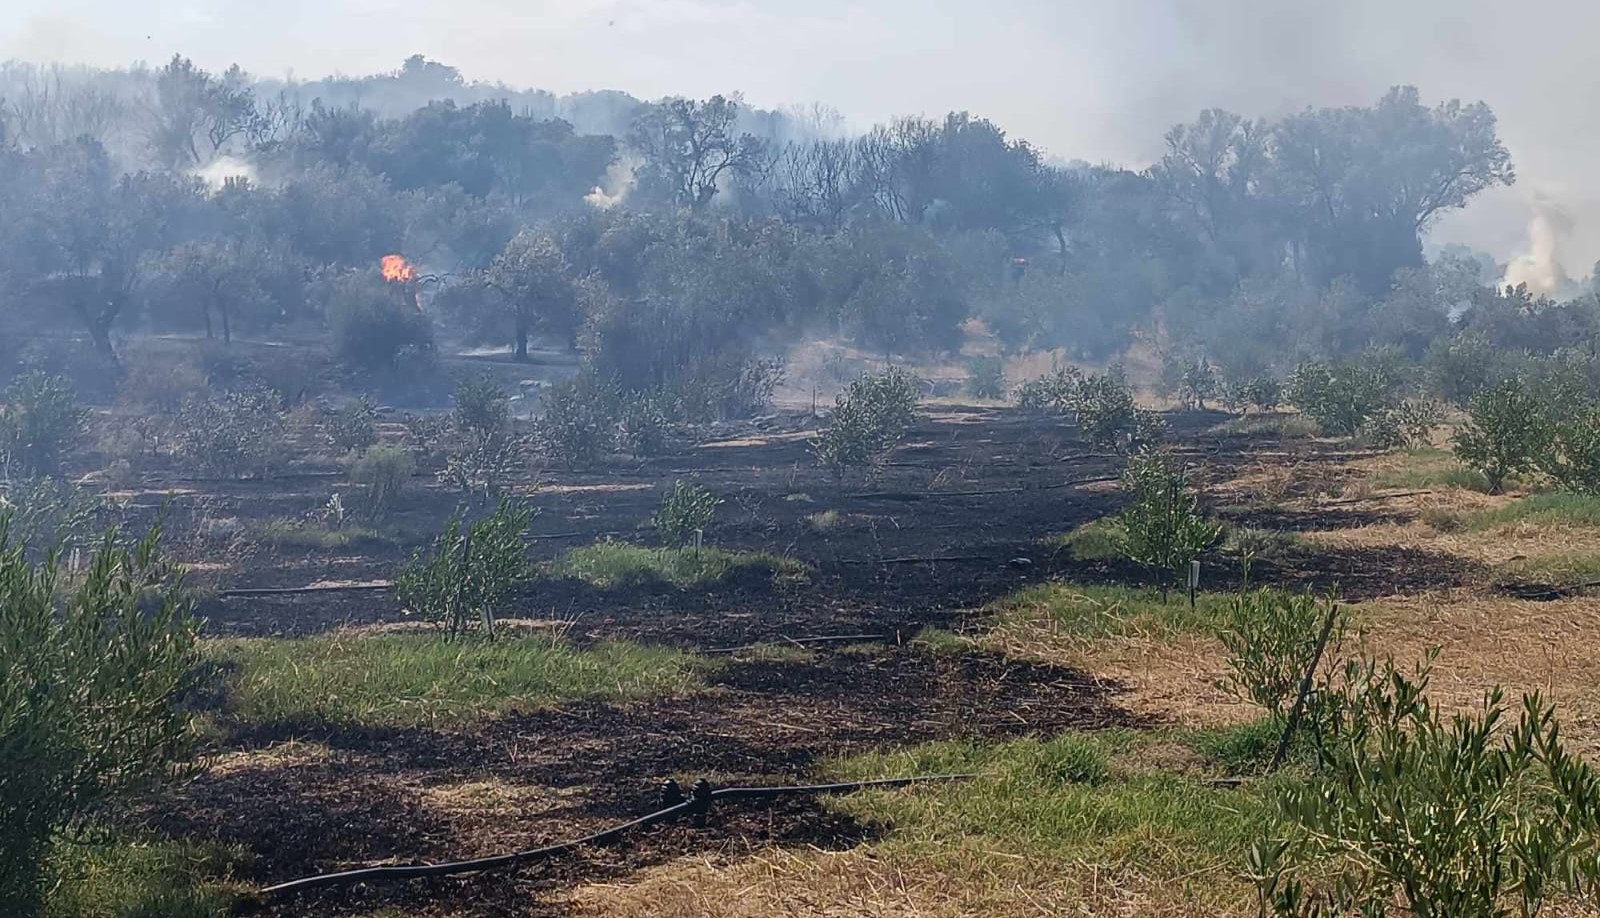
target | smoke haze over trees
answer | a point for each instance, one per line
(672, 243)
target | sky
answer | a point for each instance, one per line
(1097, 80)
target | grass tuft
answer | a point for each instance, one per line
(412, 679)
(1088, 612)
(1268, 427)
(1554, 508)
(621, 564)
(1059, 803)
(127, 879)
(282, 533)
(1093, 541)
(1419, 469)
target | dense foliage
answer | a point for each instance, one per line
(93, 676)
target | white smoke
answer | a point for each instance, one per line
(1539, 265)
(217, 172)
(618, 181)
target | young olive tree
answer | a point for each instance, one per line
(686, 510)
(1506, 435)
(470, 571)
(1418, 812)
(1163, 529)
(93, 673)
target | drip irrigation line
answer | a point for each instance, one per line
(697, 804)
(825, 639)
(290, 591)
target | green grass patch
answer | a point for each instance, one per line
(1556, 508)
(282, 533)
(1060, 802)
(940, 641)
(127, 879)
(1268, 427)
(1087, 612)
(619, 564)
(1429, 468)
(1260, 543)
(1093, 541)
(411, 679)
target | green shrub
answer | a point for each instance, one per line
(1106, 413)
(1271, 638)
(1423, 813)
(383, 471)
(234, 435)
(49, 514)
(579, 424)
(484, 468)
(1264, 392)
(1506, 435)
(1407, 425)
(644, 424)
(869, 419)
(1163, 530)
(1342, 396)
(91, 685)
(1572, 458)
(1198, 382)
(482, 409)
(354, 427)
(685, 511)
(40, 421)
(467, 575)
(986, 377)
(1057, 392)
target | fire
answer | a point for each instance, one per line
(397, 270)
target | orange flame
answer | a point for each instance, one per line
(397, 270)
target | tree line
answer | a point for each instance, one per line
(674, 242)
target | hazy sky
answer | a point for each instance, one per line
(1085, 79)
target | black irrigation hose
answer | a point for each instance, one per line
(698, 803)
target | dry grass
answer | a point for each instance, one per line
(1486, 641)
(960, 880)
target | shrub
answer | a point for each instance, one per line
(1271, 638)
(685, 511)
(1408, 425)
(46, 514)
(579, 424)
(1264, 392)
(986, 377)
(737, 387)
(1431, 815)
(1057, 392)
(354, 427)
(90, 697)
(1162, 530)
(1572, 457)
(481, 408)
(383, 471)
(39, 422)
(1342, 396)
(1506, 434)
(1106, 413)
(373, 327)
(1198, 382)
(157, 382)
(644, 424)
(483, 468)
(468, 575)
(234, 435)
(869, 419)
